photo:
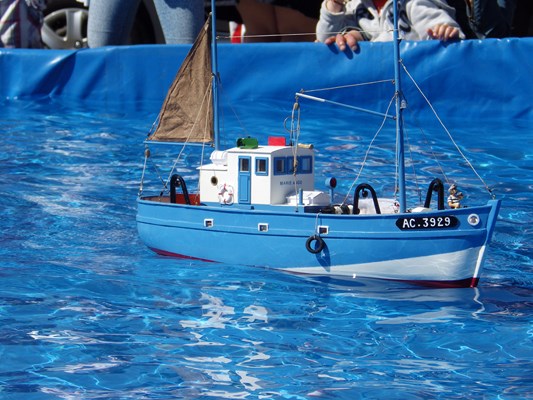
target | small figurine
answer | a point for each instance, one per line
(455, 197)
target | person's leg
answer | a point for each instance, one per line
(181, 20)
(259, 20)
(110, 22)
(296, 26)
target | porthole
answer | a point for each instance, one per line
(262, 227)
(323, 230)
(473, 219)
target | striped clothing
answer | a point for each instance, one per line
(20, 23)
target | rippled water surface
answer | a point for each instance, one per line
(87, 312)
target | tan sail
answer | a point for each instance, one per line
(187, 113)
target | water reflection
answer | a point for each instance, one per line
(87, 311)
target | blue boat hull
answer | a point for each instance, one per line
(366, 246)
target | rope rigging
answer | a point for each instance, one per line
(489, 190)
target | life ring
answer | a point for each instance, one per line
(318, 247)
(225, 194)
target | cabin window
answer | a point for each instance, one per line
(261, 166)
(244, 164)
(305, 164)
(280, 166)
(290, 165)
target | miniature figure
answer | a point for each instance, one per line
(455, 197)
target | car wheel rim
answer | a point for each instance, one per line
(65, 29)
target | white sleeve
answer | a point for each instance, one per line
(425, 14)
(331, 23)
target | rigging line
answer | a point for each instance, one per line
(201, 164)
(397, 172)
(221, 115)
(316, 222)
(283, 35)
(154, 165)
(368, 149)
(352, 28)
(156, 121)
(413, 165)
(295, 130)
(291, 130)
(298, 34)
(447, 131)
(294, 148)
(397, 160)
(208, 91)
(434, 156)
(348, 86)
(336, 103)
(245, 36)
(204, 144)
(221, 91)
(146, 155)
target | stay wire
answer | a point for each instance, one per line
(295, 136)
(368, 150)
(348, 86)
(206, 96)
(411, 158)
(447, 131)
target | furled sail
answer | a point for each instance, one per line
(187, 112)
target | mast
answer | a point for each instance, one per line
(214, 69)
(399, 109)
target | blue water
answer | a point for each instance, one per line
(87, 312)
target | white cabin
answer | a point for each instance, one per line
(253, 174)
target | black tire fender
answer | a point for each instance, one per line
(318, 247)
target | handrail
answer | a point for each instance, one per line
(175, 181)
(436, 185)
(362, 188)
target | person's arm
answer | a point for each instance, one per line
(335, 18)
(332, 19)
(432, 19)
(444, 32)
(335, 6)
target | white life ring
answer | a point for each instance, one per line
(225, 194)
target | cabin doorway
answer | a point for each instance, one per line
(245, 189)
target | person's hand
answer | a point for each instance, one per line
(349, 39)
(443, 32)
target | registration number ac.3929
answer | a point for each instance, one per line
(427, 222)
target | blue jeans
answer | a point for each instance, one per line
(111, 21)
(181, 20)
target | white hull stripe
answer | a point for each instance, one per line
(457, 265)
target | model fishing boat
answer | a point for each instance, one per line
(257, 204)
